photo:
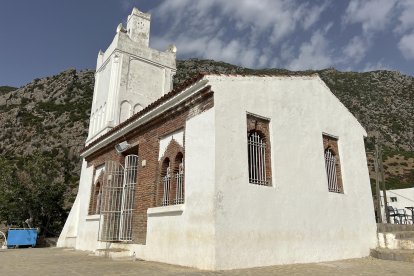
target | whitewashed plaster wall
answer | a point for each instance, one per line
(81, 230)
(296, 220)
(185, 234)
(88, 225)
(139, 86)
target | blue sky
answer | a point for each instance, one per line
(44, 37)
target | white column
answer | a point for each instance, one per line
(112, 115)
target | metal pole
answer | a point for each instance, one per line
(384, 188)
(377, 186)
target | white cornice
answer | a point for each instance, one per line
(181, 97)
(134, 56)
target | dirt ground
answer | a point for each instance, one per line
(58, 261)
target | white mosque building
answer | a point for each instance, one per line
(224, 172)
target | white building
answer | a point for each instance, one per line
(224, 172)
(399, 200)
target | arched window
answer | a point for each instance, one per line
(179, 178)
(332, 164)
(166, 182)
(96, 194)
(125, 111)
(97, 198)
(256, 148)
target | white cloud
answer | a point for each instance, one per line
(406, 17)
(373, 15)
(406, 46)
(356, 49)
(234, 31)
(126, 5)
(314, 54)
(313, 14)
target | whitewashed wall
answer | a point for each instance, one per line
(184, 234)
(81, 230)
(296, 220)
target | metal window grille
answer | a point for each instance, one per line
(179, 177)
(166, 181)
(330, 165)
(98, 201)
(117, 200)
(128, 197)
(257, 159)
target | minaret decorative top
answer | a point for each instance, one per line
(138, 26)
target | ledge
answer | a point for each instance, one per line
(93, 217)
(171, 210)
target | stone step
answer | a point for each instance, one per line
(403, 255)
(404, 235)
(386, 227)
(406, 244)
(114, 253)
(396, 240)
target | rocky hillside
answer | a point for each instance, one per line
(50, 116)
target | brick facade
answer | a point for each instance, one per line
(147, 137)
(261, 126)
(331, 143)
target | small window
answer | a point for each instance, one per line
(393, 199)
(332, 164)
(172, 181)
(96, 194)
(166, 182)
(97, 198)
(258, 150)
(179, 179)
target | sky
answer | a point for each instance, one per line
(44, 37)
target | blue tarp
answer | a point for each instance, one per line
(21, 236)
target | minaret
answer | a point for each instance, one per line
(129, 75)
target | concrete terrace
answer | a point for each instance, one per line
(58, 261)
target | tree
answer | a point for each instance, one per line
(32, 188)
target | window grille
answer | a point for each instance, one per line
(98, 195)
(117, 200)
(257, 159)
(330, 165)
(166, 180)
(179, 177)
(128, 197)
